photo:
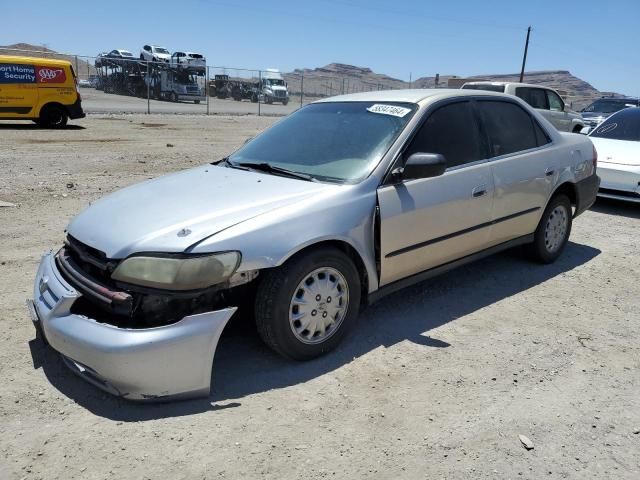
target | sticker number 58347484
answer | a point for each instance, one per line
(393, 110)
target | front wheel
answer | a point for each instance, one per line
(553, 231)
(305, 308)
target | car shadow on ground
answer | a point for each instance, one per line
(244, 366)
(33, 126)
(622, 208)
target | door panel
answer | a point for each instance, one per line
(522, 188)
(523, 170)
(428, 222)
(18, 90)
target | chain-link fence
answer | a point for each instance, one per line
(123, 82)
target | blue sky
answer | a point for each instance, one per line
(397, 38)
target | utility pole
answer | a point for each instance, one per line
(524, 58)
(410, 81)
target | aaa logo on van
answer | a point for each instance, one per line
(50, 75)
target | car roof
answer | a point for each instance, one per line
(519, 84)
(408, 96)
(36, 60)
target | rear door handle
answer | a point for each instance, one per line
(479, 191)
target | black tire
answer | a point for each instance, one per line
(284, 102)
(196, 102)
(540, 249)
(276, 292)
(174, 97)
(577, 129)
(53, 116)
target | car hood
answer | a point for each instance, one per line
(174, 212)
(622, 152)
(594, 114)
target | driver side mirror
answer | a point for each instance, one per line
(421, 165)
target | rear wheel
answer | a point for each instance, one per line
(52, 116)
(553, 231)
(174, 97)
(305, 308)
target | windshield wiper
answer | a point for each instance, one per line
(268, 168)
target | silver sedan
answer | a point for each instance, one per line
(340, 203)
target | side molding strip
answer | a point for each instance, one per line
(458, 233)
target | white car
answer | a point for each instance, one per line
(153, 53)
(188, 60)
(617, 141)
(120, 53)
(544, 99)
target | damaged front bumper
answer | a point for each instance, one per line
(165, 362)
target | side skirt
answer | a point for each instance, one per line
(434, 272)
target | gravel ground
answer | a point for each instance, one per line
(436, 381)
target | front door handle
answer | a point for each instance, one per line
(479, 191)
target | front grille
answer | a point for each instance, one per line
(100, 292)
(90, 260)
(279, 93)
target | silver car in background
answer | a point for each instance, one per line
(342, 202)
(544, 99)
(598, 111)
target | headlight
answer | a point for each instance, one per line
(177, 273)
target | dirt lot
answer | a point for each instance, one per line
(436, 381)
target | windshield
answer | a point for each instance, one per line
(340, 141)
(622, 126)
(160, 50)
(274, 81)
(124, 53)
(608, 106)
(484, 86)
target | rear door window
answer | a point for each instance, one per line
(451, 130)
(535, 97)
(509, 127)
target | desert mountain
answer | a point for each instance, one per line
(82, 67)
(337, 78)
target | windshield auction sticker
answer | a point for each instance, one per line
(393, 110)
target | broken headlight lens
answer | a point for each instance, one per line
(177, 273)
